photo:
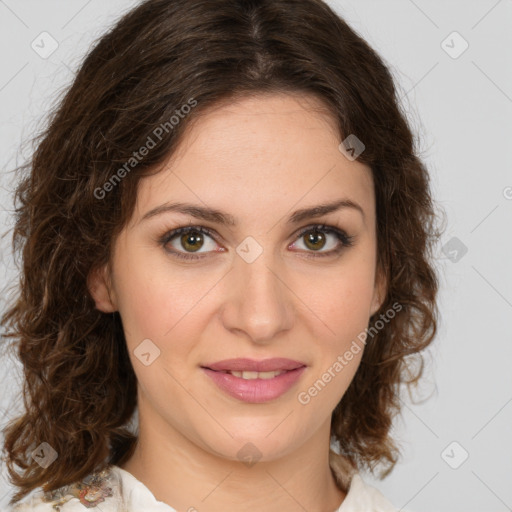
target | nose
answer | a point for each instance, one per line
(258, 300)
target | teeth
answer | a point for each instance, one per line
(256, 375)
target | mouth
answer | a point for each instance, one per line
(255, 381)
(248, 375)
(275, 364)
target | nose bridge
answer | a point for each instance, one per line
(260, 304)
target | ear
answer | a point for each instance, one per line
(379, 291)
(100, 287)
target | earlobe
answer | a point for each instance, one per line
(376, 303)
(379, 292)
(100, 288)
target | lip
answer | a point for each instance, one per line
(255, 390)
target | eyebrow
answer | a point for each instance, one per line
(223, 218)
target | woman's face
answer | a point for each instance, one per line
(252, 289)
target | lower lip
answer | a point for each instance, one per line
(255, 390)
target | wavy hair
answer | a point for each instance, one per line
(79, 388)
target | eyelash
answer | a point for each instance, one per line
(346, 240)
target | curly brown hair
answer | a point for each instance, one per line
(79, 386)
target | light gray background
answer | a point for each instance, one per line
(461, 108)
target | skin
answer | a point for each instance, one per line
(258, 159)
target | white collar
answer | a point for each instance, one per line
(122, 492)
(361, 497)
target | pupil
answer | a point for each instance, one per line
(313, 238)
(190, 239)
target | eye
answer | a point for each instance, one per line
(192, 240)
(315, 239)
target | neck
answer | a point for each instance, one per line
(185, 476)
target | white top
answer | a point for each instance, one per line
(117, 490)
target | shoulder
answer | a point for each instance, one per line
(99, 489)
(360, 495)
(363, 496)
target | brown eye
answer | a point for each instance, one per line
(315, 240)
(192, 241)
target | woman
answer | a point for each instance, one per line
(225, 230)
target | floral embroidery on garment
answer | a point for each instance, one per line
(91, 491)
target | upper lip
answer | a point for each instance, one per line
(252, 365)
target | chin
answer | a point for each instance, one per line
(252, 444)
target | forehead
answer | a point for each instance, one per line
(260, 154)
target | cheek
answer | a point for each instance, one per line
(158, 302)
(145, 300)
(343, 300)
